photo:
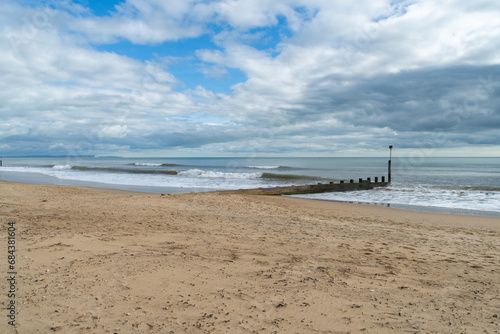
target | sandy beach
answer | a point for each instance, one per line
(92, 260)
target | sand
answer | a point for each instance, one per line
(104, 261)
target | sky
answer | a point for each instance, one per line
(249, 78)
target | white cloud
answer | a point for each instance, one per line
(144, 22)
(345, 71)
(245, 15)
(114, 131)
(211, 56)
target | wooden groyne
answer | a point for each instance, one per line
(324, 187)
(366, 184)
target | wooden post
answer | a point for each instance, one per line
(389, 170)
(389, 173)
(376, 179)
(351, 181)
(368, 179)
(360, 180)
(341, 181)
(1, 164)
(383, 178)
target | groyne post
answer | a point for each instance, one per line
(389, 167)
(1, 163)
(389, 173)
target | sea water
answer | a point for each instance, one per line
(455, 185)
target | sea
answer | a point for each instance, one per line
(469, 186)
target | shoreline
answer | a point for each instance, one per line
(367, 208)
(49, 180)
(93, 259)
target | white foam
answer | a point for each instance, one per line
(264, 167)
(149, 164)
(198, 173)
(62, 167)
(421, 195)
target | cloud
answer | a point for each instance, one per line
(403, 77)
(320, 76)
(156, 21)
(144, 22)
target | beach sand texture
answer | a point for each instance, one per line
(105, 261)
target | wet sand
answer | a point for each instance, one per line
(106, 261)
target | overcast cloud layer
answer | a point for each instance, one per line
(292, 77)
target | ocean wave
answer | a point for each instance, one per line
(198, 173)
(264, 167)
(269, 167)
(148, 164)
(290, 177)
(473, 188)
(125, 170)
(61, 166)
(152, 164)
